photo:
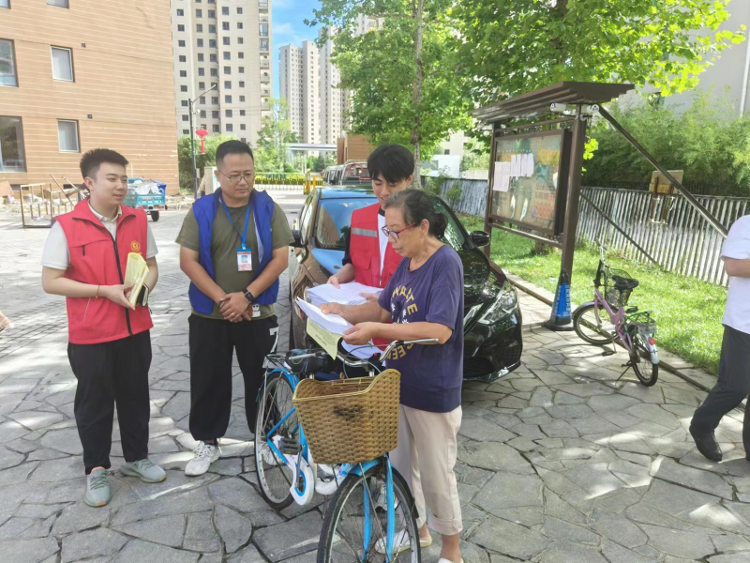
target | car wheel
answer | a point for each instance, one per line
(154, 216)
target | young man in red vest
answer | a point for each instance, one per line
(109, 348)
(368, 258)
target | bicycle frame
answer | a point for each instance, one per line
(617, 318)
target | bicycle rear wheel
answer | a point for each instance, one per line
(274, 476)
(593, 325)
(355, 530)
(646, 371)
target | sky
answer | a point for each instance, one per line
(287, 26)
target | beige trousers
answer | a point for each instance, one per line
(425, 456)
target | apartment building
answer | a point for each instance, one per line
(82, 74)
(299, 86)
(226, 43)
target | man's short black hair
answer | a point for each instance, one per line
(232, 147)
(92, 160)
(393, 162)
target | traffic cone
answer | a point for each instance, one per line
(560, 317)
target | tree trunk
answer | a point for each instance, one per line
(416, 133)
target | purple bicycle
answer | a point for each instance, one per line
(607, 317)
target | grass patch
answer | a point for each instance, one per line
(688, 312)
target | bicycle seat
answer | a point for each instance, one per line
(310, 364)
(624, 283)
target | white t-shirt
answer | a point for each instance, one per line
(383, 240)
(737, 245)
(57, 255)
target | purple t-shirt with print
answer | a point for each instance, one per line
(431, 375)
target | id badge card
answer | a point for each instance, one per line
(256, 311)
(244, 260)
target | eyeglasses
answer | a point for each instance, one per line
(387, 232)
(237, 178)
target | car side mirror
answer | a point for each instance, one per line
(480, 238)
(297, 239)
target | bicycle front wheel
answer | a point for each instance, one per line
(645, 370)
(355, 525)
(274, 476)
(592, 324)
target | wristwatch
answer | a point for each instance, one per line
(249, 296)
(143, 296)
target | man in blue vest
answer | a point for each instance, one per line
(235, 245)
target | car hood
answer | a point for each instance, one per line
(479, 287)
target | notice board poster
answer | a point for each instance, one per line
(528, 182)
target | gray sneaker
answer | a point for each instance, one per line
(97, 488)
(145, 470)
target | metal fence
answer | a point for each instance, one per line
(683, 243)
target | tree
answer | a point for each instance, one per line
(274, 137)
(508, 48)
(320, 164)
(401, 73)
(185, 160)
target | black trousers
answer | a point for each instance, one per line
(112, 373)
(211, 344)
(733, 385)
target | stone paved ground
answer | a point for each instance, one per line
(558, 462)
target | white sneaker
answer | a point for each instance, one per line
(205, 455)
(401, 543)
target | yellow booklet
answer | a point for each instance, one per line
(135, 274)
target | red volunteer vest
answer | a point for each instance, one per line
(364, 249)
(95, 258)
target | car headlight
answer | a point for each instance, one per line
(505, 303)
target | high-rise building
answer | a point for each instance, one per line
(227, 43)
(79, 75)
(299, 86)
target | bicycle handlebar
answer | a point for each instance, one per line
(347, 358)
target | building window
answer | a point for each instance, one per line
(8, 65)
(203, 113)
(215, 114)
(212, 43)
(199, 27)
(180, 13)
(201, 86)
(217, 129)
(212, 28)
(264, 44)
(227, 56)
(240, 55)
(212, 14)
(242, 84)
(203, 98)
(225, 26)
(200, 57)
(215, 101)
(181, 43)
(227, 99)
(242, 113)
(184, 103)
(200, 43)
(12, 154)
(62, 64)
(240, 40)
(4, 3)
(264, 30)
(228, 113)
(227, 85)
(212, 57)
(225, 11)
(214, 72)
(243, 126)
(244, 139)
(239, 11)
(183, 59)
(227, 70)
(58, 3)
(201, 71)
(199, 13)
(242, 98)
(230, 128)
(186, 118)
(180, 27)
(226, 41)
(241, 70)
(186, 131)
(67, 135)
(183, 88)
(183, 74)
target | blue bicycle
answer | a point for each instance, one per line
(371, 516)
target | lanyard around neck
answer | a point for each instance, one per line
(243, 235)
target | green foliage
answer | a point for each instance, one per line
(434, 184)
(185, 161)
(688, 312)
(454, 194)
(507, 48)
(274, 137)
(705, 140)
(476, 156)
(380, 69)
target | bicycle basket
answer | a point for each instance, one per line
(350, 420)
(616, 297)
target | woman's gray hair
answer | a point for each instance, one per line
(417, 206)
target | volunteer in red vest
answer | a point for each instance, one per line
(85, 259)
(368, 258)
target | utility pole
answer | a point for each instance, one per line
(192, 140)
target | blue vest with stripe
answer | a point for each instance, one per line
(205, 210)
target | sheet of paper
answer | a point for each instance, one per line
(347, 294)
(363, 352)
(327, 340)
(528, 160)
(515, 165)
(502, 177)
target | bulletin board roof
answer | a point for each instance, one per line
(539, 100)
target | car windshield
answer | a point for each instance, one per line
(335, 216)
(334, 219)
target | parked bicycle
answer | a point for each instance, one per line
(634, 329)
(372, 516)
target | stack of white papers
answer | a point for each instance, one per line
(338, 326)
(347, 294)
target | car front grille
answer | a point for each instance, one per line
(477, 368)
(511, 355)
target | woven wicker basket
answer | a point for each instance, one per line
(350, 420)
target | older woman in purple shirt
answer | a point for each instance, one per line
(423, 300)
